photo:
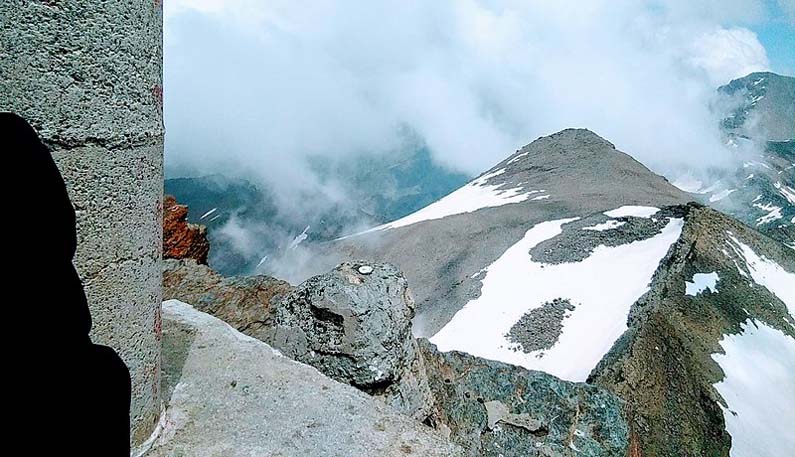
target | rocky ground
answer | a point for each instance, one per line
(664, 366)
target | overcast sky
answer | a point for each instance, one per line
(254, 87)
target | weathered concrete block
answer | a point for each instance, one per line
(88, 77)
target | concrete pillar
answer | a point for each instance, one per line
(88, 76)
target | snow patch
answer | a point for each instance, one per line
(299, 239)
(786, 191)
(767, 273)
(702, 282)
(774, 213)
(759, 390)
(635, 211)
(720, 195)
(609, 225)
(476, 195)
(517, 158)
(208, 213)
(603, 287)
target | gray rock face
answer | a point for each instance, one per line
(496, 409)
(232, 395)
(354, 325)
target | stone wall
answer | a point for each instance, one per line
(88, 76)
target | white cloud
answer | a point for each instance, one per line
(726, 54)
(255, 87)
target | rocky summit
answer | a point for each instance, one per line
(445, 248)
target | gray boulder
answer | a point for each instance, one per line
(354, 325)
(495, 409)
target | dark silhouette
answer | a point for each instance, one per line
(74, 395)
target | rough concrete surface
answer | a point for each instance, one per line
(87, 76)
(232, 395)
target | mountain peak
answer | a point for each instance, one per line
(760, 106)
(567, 141)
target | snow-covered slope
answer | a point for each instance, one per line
(601, 290)
(759, 390)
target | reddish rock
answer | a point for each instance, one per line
(182, 240)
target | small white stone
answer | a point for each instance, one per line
(365, 269)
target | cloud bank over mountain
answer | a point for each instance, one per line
(255, 88)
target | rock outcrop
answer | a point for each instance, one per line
(667, 365)
(232, 395)
(244, 302)
(182, 240)
(495, 409)
(354, 325)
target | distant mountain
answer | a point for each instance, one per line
(759, 128)
(761, 192)
(761, 106)
(390, 187)
(248, 229)
(572, 258)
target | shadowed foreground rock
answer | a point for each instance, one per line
(496, 409)
(354, 325)
(182, 240)
(241, 301)
(232, 395)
